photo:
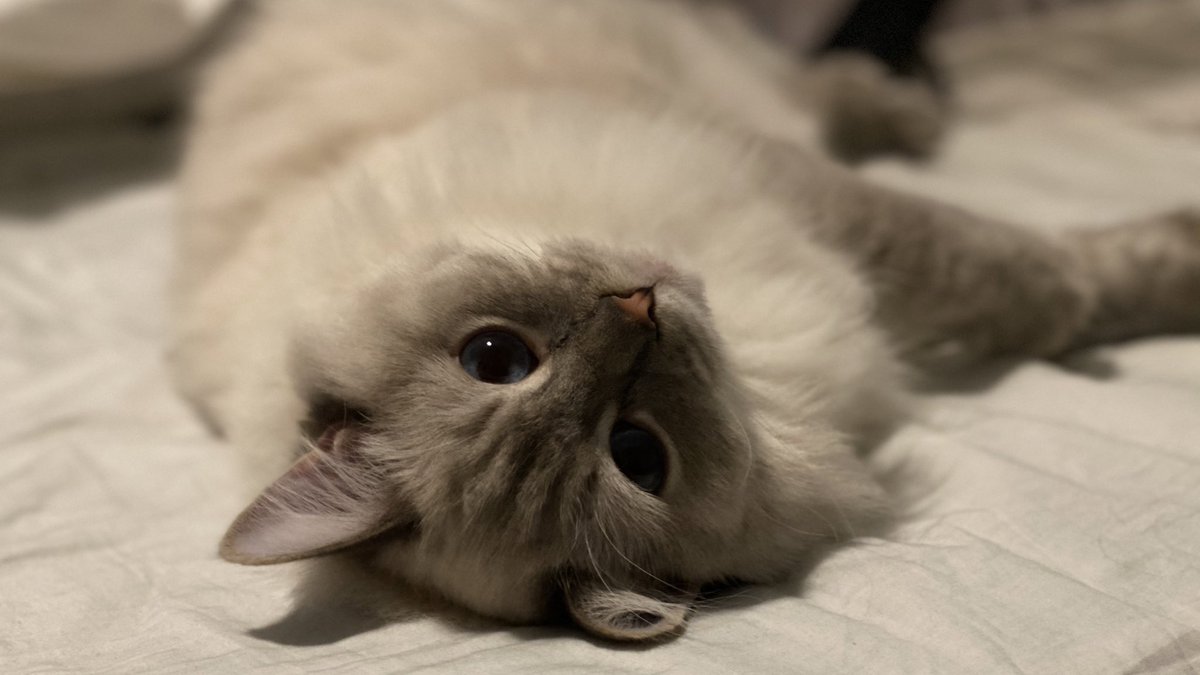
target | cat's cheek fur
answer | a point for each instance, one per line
(516, 590)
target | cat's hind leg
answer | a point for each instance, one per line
(952, 286)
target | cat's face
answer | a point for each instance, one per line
(513, 427)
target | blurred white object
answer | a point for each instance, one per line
(47, 44)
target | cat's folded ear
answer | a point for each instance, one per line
(626, 614)
(330, 499)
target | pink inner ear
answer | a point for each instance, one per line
(296, 537)
(331, 498)
(337, 438)
(329, 477)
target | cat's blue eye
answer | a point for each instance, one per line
(639, 455)
(497, 357)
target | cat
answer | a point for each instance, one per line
(543, 306)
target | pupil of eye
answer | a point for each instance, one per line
(497, 357)
(639, 455)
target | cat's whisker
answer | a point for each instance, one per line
(846, 522)
(797, 530)
(636, 566)
(592, 560)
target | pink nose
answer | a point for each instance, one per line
(638, 305)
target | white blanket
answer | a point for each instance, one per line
(1056, 526)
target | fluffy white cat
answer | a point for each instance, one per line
(546, 305)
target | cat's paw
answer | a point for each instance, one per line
(1033, 304)
(1181, 226)
(865, 111)
(1148, 276)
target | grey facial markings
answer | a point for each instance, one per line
(477, 427)
(538, 487)
(552, 514)
(481, 418)
(573, 326)
(636, 370)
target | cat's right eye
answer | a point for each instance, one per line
(497, 357)
(639, 455)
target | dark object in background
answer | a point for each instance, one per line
(879, 91)
(892, 32)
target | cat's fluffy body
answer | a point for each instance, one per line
(371, 181)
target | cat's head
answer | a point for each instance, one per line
(528, 428)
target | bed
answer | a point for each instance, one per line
(1053, 523)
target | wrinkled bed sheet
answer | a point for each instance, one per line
(1055, 525)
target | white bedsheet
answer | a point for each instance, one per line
(1056, 527)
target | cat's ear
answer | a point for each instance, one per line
(329, 499)
(626, 614)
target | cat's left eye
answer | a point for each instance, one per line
(497, 357)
